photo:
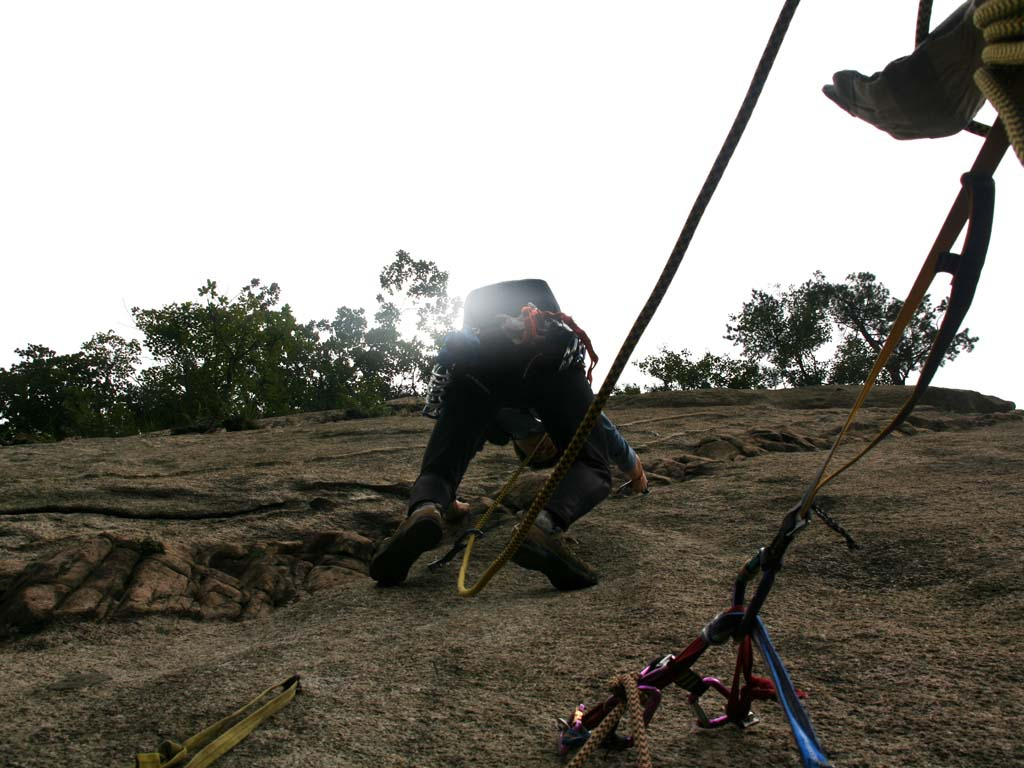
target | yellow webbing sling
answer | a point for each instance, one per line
(209, 744)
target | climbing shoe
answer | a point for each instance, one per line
(548, 553)
(420, 531)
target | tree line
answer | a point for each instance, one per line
(226, 361)
(816, 333)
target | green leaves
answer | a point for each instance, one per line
(785, 336)
(90, 393)
(221, 357)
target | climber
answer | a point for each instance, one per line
(517, 351)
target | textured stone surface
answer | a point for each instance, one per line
(108, 578)
(151, 585)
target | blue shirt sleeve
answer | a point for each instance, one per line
(619, 450)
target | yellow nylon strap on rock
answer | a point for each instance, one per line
(213, 741)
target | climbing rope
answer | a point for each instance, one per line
(714, 176)
(626, 687)
(482, 520)
(924, 21)
(1001, 78)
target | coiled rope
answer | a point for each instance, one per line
(1001, 79)
(714, 176)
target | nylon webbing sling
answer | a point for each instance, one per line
(213, 741)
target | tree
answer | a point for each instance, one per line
(394, 364)
(222, 357)
(864, 311)
(781, 337)
(782, 332)
(678, 370)
(89, 393)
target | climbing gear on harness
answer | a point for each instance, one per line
(209, 744)
(440, 378)
(639, 715)
(419, 532)
(653, 301)
(594, 726)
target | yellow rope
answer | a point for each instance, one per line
(1001, 79)
(463, 590)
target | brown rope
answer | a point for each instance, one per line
(622, 685)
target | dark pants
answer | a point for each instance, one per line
(506, 375)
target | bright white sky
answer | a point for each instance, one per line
(146, 147)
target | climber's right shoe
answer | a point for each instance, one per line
(420, 531)
(548, 553)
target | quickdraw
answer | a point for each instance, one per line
(676, 669)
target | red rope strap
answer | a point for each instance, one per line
(754, 687)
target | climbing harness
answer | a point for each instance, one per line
(209, 744)
(643, 319)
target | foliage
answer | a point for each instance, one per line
(89, 393)
(228, 360)
(864, 311)
(220, 357)
(782, 336)
(407, 283)
(678, 370)
(782, 333)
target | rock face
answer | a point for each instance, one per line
(104, 577)
(151, 585)
(113, 576)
